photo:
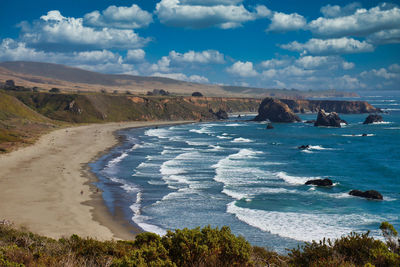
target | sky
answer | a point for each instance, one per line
(314, 44)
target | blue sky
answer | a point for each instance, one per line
(262, 43)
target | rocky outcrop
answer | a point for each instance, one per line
(328, 119)
(304, 147)
(373, 118)
(275, 111)
(320, 182)
(220, 114)
(339, 106)
(371, 194)
(270, 126)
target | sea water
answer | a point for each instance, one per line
(240, 174)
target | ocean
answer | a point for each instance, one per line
(240, 174)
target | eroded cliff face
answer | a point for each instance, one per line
(275, 110)
(339, 106)
(283, 110)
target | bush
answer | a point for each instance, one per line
(197, 94)
(54, 90)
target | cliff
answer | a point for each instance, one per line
(339, 106)
(88, 108)
(275, 110)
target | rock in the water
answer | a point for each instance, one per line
(331, 119)
(275, 111)
(371, 194)
(320, 182)
(220, 114)
(303, 147)
(373, 118)
(269, 126)
(310, 121)
(364, 134)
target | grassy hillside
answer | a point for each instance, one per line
(19, 124)
(87, 108)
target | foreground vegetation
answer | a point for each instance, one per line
(195, 247)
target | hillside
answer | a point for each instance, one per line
(19, 124)
(48, 75)
(89, 108)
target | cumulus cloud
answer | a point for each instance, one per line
(203, 57)
(182, 77)
(385, 37)
(330, 46)
(119, 17)
(286, 22)
(327, 62)
(333, 11)
(54, 31)
(242, 69)
(135, 55)
(275, 63)
(363, 22)
(195, 14)
(95, 60)
(394, 68)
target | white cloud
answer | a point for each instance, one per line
(286, 22)
(56, 32)
(182, 77)
(97, 60)
(385, 37)
(221, 14)
(275, 63)
(329, 46)
(162, 65)
(119, 17)
(135, 55)
(326, 62)
(363, 22)
(242, 69)
(333, 11)
(382, 73)
(203, 57)
(394, 68)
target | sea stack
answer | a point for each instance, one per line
(328, 119)
(370, 194)
(275, 110)
(373, 118)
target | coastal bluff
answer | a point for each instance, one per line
(284, 110)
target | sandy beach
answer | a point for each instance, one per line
(48, 189)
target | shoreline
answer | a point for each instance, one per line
(48, 187)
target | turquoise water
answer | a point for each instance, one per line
(237, 173)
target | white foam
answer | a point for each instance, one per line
(382, 122)
(391, 109)
(223, 137)
(234, 125)
(357, 135)
(302, 226)
(241, 140)
(159, 133)
(296, 180)
(140, 220)
(215, 148)
(117, 159)
(192, 143)
(319, 148)
(156, 182)
(202, 130)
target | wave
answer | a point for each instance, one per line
(141, 221)
(202, 130)
(234, 125)
(192, 143)
(357, 135)
(295, 180)
(159, 133)
(382, 122)
(215, 148)
(241, 140)
(114, 161)
(391, 109)
(223, 137)
(302, 226)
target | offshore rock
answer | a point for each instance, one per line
(275, 111)
(373, 118)
(269, 126)
(320, 182)
(371, 194)
(331, 119)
